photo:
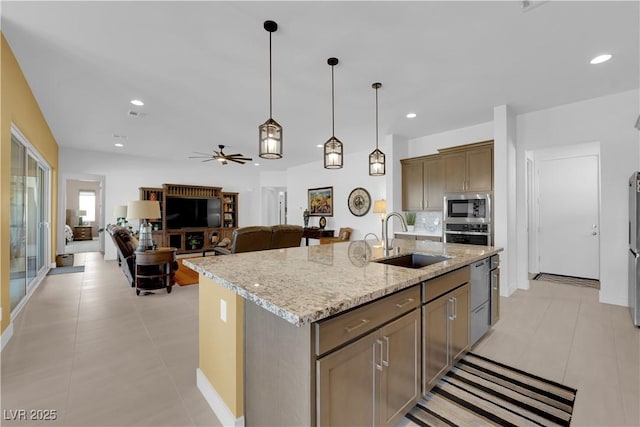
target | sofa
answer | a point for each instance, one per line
(126, 244)
(260, 238)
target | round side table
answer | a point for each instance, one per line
(155, 269)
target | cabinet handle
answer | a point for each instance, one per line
(494, 276)
(385, 361)
(375, 354)
(455, 307)
(407, 301)
(450, 308)
(350, 329)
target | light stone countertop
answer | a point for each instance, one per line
(309, 283)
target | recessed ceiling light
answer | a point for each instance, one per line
(117, 144)
(411, 115)
(256, 164)
(137, 102)
(601, 58)
(319, 145)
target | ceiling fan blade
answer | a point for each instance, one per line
(234, 155)
(246, 159)
(208, 160)
(202, 154)
(237, 161)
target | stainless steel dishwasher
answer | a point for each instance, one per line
(480, 295)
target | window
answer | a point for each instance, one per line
(87, 203)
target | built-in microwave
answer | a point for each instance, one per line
(461, 208)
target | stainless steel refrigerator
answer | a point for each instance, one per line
(634, 246)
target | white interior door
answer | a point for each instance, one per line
(569, 228)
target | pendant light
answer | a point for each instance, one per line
(376, 158)
(333, 147)
(270, 132)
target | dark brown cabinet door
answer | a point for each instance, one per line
(459, 338)
(455, 172)
(435, 319)
(345, 384)
(400, 375)
(412, 186)
(480, 170)
(434, 184)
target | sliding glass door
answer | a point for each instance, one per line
(29, 219)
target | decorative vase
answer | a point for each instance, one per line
(305, 217)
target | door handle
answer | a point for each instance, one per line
(385, 361)
(407, 301)
(350, 329)
(375, 354)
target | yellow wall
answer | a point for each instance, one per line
(19, 107)
(221, 344)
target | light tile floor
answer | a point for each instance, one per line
(562, 333)
(88, 347)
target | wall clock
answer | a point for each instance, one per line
(359, 201)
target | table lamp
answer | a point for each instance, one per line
(144, 210)
(380, 207)
(81, 213)
(120, 213)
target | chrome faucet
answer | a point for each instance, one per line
(386, 229)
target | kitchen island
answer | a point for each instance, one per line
(272, 329)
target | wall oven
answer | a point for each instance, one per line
(468, 234)
(467, 208)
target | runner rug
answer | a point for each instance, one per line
(481, 392)
(184, 275)
(567, 280)
(65, 270)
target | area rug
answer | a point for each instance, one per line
(63, 270)
(567, 280)
(479, 392)
(184, 275)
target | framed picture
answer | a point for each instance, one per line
(320, 201)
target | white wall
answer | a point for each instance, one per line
(355, 173)
(608, 120)
(124, 174)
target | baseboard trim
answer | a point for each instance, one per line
(216, 403)
(6, 336)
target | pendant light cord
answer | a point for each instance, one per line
(376, 118)
(270, 82)
(333, 113)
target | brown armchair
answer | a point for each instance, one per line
(286, 236)
(343, 236)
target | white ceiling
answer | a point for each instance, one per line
(202, 68)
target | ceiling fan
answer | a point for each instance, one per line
(222, 158)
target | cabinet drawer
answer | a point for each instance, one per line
(433, 288)
(331, 333)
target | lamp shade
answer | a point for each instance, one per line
(380, 206)
(120, 211)
(82, 212)
(143, 209)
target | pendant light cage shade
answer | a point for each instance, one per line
(377, 157)
(376, 163)
(333, 149)
(270, 134)
(333, 153)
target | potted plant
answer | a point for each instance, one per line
(411, 220)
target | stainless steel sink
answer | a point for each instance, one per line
(413, 260)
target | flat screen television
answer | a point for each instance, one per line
(189, 213)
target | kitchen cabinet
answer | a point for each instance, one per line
(468, 168)
(495, 290)
(422, 183)
(445, 325)
(375, 377)
(374, 380)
